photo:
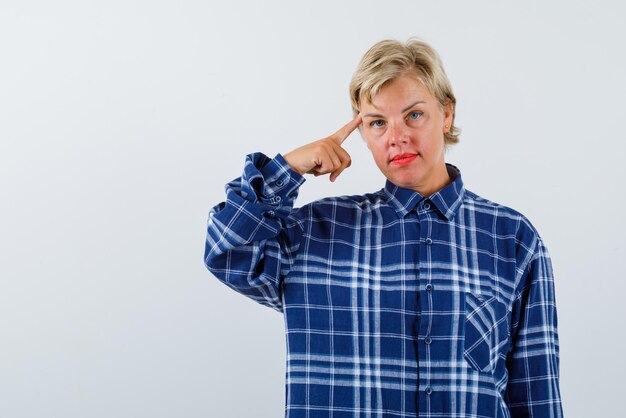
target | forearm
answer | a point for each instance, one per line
(252, 235)
(533, 363)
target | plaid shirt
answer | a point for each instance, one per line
(395, 304)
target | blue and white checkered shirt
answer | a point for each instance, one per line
(395, 304)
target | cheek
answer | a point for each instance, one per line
(370, 142)
(379, 154)
(367, 136)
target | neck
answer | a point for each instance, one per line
(438, 181)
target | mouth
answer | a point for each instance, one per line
(403, 159)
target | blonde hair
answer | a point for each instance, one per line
(390, 59)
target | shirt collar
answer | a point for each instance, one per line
(447, 200)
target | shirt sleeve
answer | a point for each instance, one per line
(252, 237)
(533, 361)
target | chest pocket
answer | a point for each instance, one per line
(486, 332)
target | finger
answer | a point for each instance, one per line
(327, 162)
(343, 154)
(346, 162)
(337, 172)
(346, 130)
(333, 161)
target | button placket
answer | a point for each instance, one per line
(426, 324)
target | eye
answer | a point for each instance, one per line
(378, 123)
(415, 115)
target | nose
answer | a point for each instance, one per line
(397, 135)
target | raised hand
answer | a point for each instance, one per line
(324, 155)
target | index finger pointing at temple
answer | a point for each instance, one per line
(347, 129)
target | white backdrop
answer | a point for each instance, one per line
(121, 121)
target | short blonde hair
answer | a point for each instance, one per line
(390, 59)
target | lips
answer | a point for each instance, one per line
(403, 159)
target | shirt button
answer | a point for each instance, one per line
(279, 183)
(429, 390)
(429, 241)
(429, 287)
(278, 198)
(428, 340)
(426, 206)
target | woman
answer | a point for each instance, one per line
(420, 299)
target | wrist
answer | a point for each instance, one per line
(289, 160)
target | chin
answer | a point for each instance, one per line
(405, 179)
(405, 183)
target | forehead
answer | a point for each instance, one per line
(397, 94)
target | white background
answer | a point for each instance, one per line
(121, 121)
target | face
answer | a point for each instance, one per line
(404, 129)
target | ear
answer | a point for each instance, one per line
(448, 114)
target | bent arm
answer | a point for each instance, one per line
(252, 237)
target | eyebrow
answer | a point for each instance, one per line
(376, 115)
